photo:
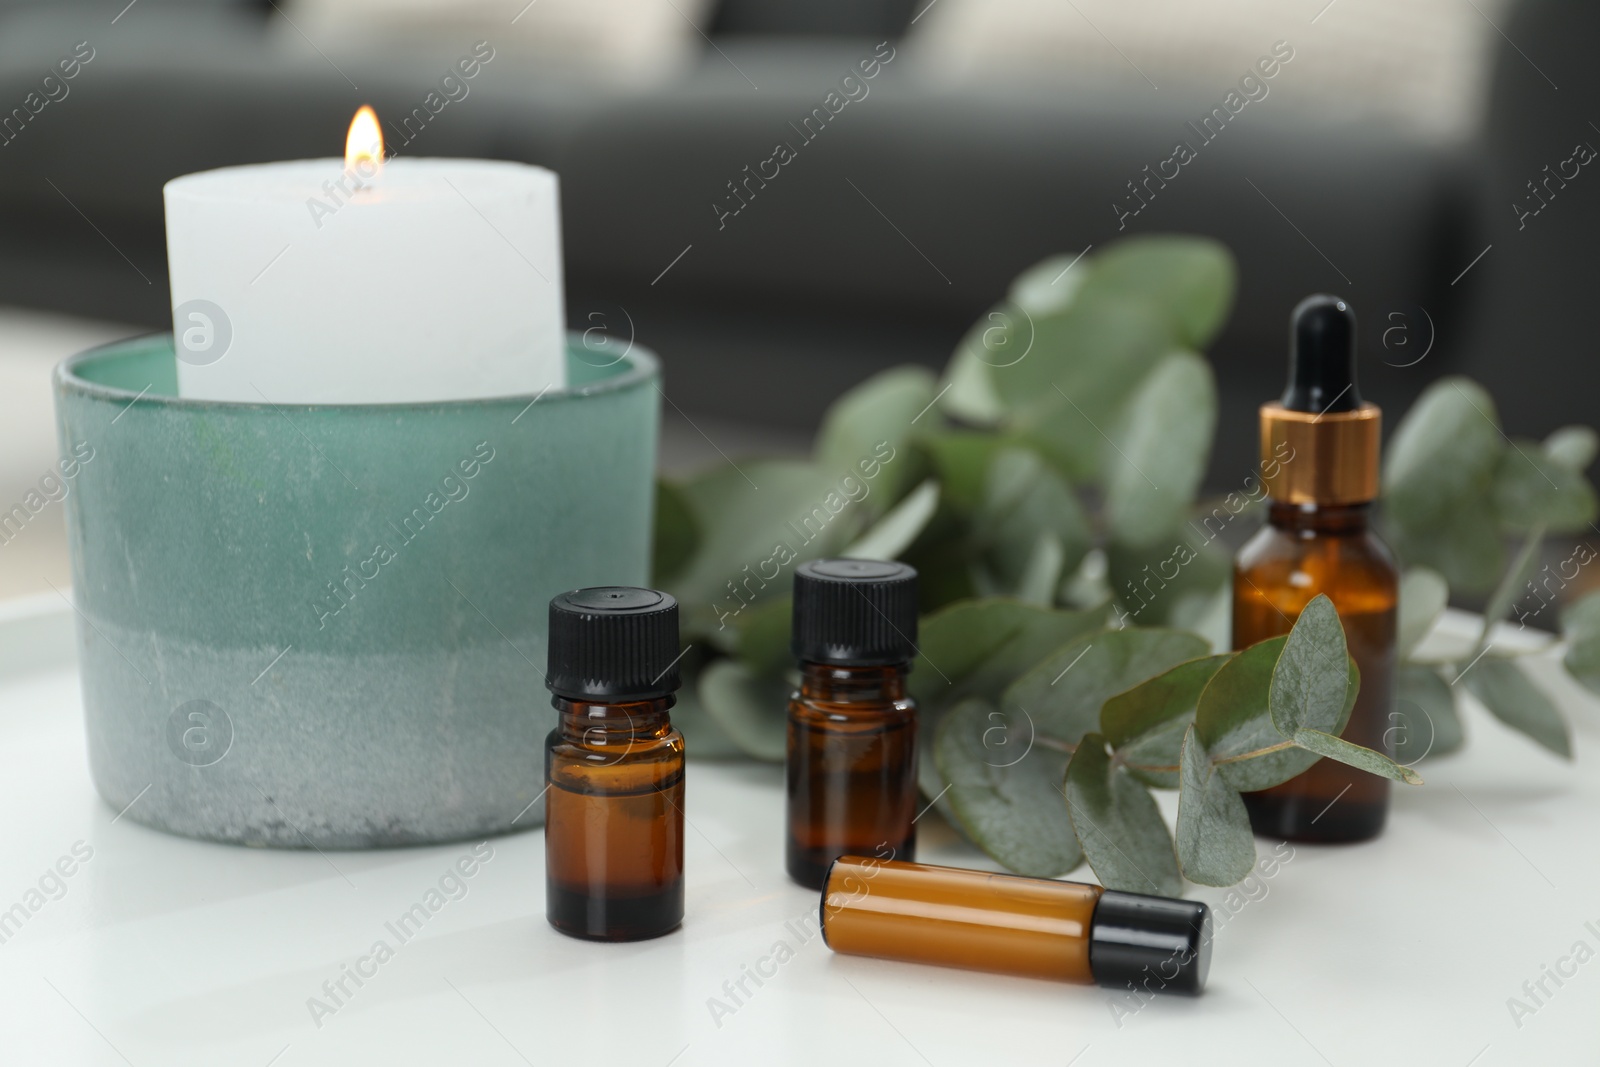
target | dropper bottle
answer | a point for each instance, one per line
(1319, 463)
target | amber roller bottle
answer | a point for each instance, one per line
(1319, 462)
(1032, 927)
(613, 766)
(852, 767)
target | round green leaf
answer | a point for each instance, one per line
(1572, 446)
(1191, 279)
(1159, 582)
(1423, 596)
(1145, 725)
(1235, 723)
(975, 648)
(703, 737)
(676, 533)
(1064, 693)
(1310, 680)
(750, 708)
(880, 409)
(1581, 626)
(1438, 480)
(1172, 694)
(1005, 790)
(894, 533)
(1214, 841)
(1506, 690)
(1160, 447)
(756, 521)
(1119, 825)
(1353, 755)
(1424, 721)
(1534, 491)
(1027, 505)
(763, 641)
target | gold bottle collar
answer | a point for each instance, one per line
(1332, 458)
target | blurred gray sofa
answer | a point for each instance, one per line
(889, 236)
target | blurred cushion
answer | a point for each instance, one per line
(629, 40)
(1418, 64)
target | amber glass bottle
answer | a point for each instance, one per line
(1319, 458)
(614, 766)
(1032, 927)
(852, 781)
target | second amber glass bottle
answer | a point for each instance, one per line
(852, 765)
(1319, 461)
(613, 766)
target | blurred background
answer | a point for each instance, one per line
(1414, 156)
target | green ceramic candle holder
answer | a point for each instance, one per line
(325, 625)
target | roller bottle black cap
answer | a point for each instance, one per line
(1322, 357)
(1158, 944)
(854, 612)
(613, 643)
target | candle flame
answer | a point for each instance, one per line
(364, 142)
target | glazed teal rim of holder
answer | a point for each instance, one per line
(97, 373)
(224, 558)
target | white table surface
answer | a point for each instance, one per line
(164, 951)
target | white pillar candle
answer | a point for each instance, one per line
(308, 282)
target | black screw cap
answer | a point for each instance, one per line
(613, 643)
(1158, 944)
(854, 612)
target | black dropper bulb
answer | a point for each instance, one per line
(1322, 357)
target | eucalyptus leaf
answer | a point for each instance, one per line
(1234, 720)
(1064, 693)
(1118, 824)
(1580, 624)
(1152, 758)
(1423, 596)
(763, 641)
(1214, 841)
(1572, 446)
(976, 648)
(1444, 452)
(1533, 491)
(1464, 545)
(961, 461)
(1092, 355)
(703, 737)
(968, 392)
(1424, 722)
(1145, 725)
(1310, 680)
(1026, 503)
(1438, 484)
(677, 535)
(881, 409)
(1052, 285)
(756, 521)
(1172, 694)
(1041, 577)
(752, 709)
(1163, 580)
(1365, 759)
(895, 532)
(1161, 444)
(1511, 584)
(1191, 280)
(1005, 791)
(1505, 689)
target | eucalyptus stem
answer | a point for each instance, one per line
(1505, 593)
